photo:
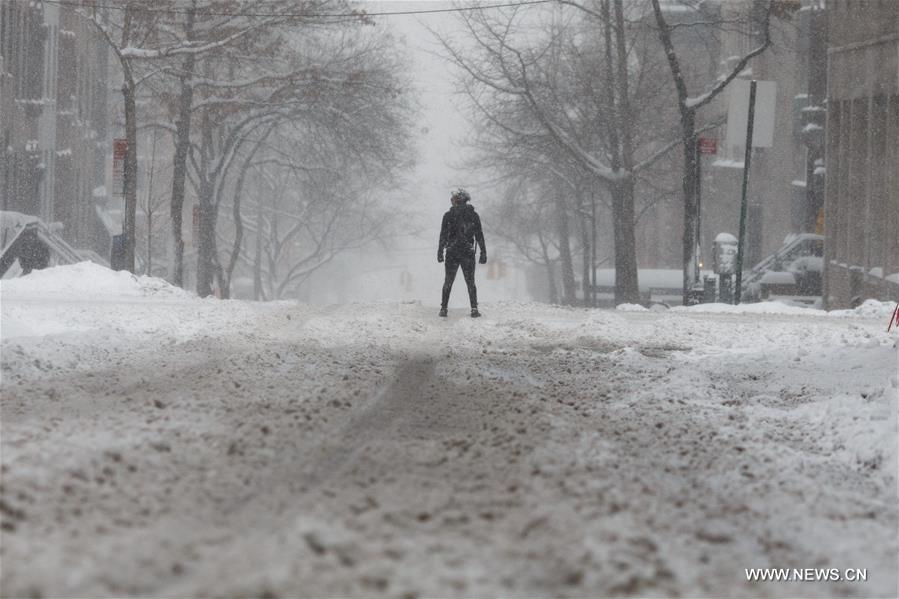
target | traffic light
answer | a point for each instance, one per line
(496, 269)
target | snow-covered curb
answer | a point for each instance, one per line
(869, 309)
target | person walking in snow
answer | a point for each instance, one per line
(460, 229)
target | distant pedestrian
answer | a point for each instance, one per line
(460, 229)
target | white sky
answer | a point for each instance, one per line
(442, 123)
(441, 128)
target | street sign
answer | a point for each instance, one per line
(738, 114)
(496, 269)
(119, 150)
(708, 145)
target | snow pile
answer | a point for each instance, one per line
(860, 430)
(869, 309)
(631, 308)
(89, 281)
(757, 308)
(86, 304)
(10, 328)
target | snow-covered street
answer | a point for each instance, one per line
(156, 444)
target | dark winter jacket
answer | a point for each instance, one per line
(460, 229)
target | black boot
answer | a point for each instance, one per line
(444, 299)
(473, 300)
(442, 312)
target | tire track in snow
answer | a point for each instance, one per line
(417, 405)
(379, 419)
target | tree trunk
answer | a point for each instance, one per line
(620, 134)
(206, 245)
(130, 174)
(238, 222)
(238, 242)
(627, 289)
(274, 255)
(257, 260)
(207, 255)
(586, 253)
(569, 293)
(150, 207)
(238, 218)
(179, 175)
(182, 147)
(688, 124)
(550, 273)
(149, 269)
(593, 250)
(206, 226)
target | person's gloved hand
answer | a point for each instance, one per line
(483, 258)
(439, 256)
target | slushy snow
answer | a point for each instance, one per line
(156, 444)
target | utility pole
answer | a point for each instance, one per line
(593, 250)
(741, 241)
(697, 255)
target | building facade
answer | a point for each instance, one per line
(861, 216)
(53, 118)
(660, 224)
(777, 193)
(710, 38)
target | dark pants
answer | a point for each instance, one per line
(453, 262)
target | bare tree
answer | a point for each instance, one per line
(569, 86)
(138, 33)
(152, 200)
(239, 37)
(307, 218)
(148, 39)
(345, 92)
(688, 106)
(518, 220)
